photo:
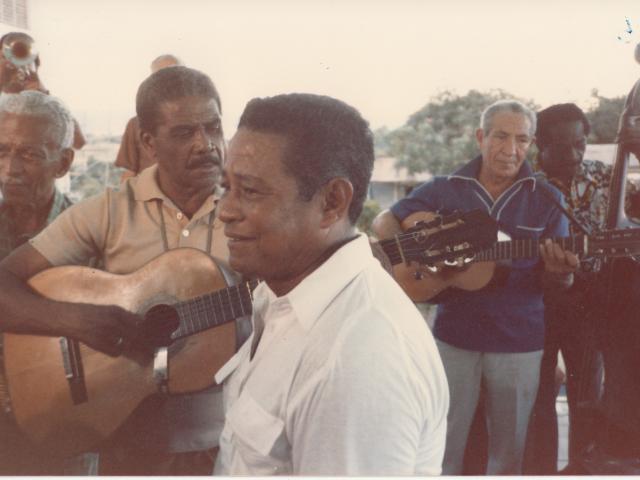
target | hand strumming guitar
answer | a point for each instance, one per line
(109, 329)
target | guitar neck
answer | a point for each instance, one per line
(213, 309)
(528, 248)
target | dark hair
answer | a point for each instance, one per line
(326, 138)
(555, 114)
(170, 84)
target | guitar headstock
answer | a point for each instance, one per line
(614, 243)
(451, 237)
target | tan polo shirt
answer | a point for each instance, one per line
(124, 228)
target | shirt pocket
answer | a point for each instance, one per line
(258, 436)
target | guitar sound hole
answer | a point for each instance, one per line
(159, 323)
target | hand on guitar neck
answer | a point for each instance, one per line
(556, 259)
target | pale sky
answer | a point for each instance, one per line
(386, 58)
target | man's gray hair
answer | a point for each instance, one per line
(38, 104)
(513, 106)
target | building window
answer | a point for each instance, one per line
(14, 12)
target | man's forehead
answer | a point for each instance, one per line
(41, 127)
(254, 142)
(511, 122)
(567, 128)
(191, 106)
(250, 151)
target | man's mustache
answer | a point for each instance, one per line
(205, 160)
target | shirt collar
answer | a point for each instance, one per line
(146, 188)
(471, 171)
(60, 203)
(312, 296)
(581, 180)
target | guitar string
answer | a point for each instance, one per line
(510, 245)
(228, 309)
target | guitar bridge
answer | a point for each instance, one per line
(161, 369)
(72, 363)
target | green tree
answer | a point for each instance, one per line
(604, 116)
(93, 178)
(381, 142)
(370, 209)
(440, 136)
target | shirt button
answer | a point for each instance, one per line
(179, 215)
(185, 233)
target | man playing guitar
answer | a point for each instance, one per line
(493, 335)
(168, 206)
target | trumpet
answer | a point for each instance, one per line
(20, 50)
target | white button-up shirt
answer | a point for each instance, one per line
(346, 379)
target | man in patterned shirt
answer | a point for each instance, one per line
(570, 319)
(36, 131)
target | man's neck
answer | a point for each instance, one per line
(190, 203)
(29, 219)
(496, 186)
(283, 286)
(188, 200)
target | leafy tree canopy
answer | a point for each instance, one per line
(604, 116)
(440, 137)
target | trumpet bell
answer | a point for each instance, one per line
(19, 49)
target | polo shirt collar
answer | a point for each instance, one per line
(146, 188)
(314, 294)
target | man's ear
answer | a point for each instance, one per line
(148, 143)
(479, 136)
(65, 161)
(336, 200)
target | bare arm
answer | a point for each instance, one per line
(25, 311)
(386, 225)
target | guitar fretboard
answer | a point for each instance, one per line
(214, 309)
(527, 248)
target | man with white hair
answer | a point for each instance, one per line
(494, 336)
(36, 131)
(170, 205)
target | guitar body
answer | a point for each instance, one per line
(421, 284)
(39, 393)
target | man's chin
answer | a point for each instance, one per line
(238, 266)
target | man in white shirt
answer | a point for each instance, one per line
(341, 375)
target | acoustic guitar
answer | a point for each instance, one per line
(423, 280)
(67, 397)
